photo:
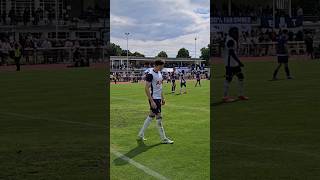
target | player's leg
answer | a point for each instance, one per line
(275, 73)
(226, 85)
(240, 77)
(145, 126)
(147, 122)
(173, 84)
(286, 67)
(162, 133)
(200, 82)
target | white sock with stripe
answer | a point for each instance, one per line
(161, 129)
(145, 126)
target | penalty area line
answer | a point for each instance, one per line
(138, 165)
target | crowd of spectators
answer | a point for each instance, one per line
(256, 42)
(253, 11)
(46, 47)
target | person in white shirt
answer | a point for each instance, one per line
(153, 90)
(233, 66)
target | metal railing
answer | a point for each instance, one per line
(264, 49)
(56, 55)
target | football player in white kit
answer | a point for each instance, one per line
(233, 66)
(153, 90)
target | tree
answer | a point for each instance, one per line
(114, 50)
(162, 54)
(137, 54)
(183, 53)
(124, 53)
(205, 53)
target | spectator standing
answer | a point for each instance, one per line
(17, 54)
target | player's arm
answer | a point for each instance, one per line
(147, 90)
(163, 101)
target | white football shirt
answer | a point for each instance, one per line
(233, 62)
(156, 83)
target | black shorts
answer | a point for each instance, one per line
(183, 84)
(173, 81)
(283, 59)
(158, 109)
(198, 80)
(232, 71)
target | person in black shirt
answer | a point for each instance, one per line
(173, 80)
(198, 79)
(283, 54)
(309, 45)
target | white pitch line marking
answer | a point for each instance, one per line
(132, 162)
(139, 166)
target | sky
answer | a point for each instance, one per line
(160, 25)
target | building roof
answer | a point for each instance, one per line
(133, 58)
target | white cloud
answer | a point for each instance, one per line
(157, 25)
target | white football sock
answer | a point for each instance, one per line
(145, 126)
(226, 88)
(161, 129)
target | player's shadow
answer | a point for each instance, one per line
(219, 103)
(141, 148)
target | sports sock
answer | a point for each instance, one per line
(226, 88)
(161, 129)
(287, 70)
(276, 71)
(145, 126)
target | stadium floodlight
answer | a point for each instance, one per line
(57, 7)
(127, 36)
(195, 50)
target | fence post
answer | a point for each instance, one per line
(102, 54)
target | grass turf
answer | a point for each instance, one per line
(186, 120)
(46, 119)
(274, 135)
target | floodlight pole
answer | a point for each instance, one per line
(195, 50)
(274, 14)
(57, 7)
(127, 36)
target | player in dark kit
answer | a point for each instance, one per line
(173, 80)
(198, 79)
(183, 83)
(233, 66)
(154, 93)
(309, 45)
(283, 55)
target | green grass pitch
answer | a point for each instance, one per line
(186, 120)
(53, 124)
(276, 134)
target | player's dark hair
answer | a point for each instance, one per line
(159, 62)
